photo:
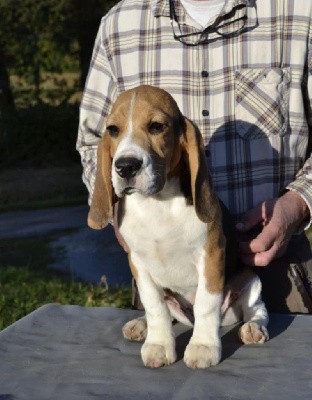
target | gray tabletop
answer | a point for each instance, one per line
(72, 353)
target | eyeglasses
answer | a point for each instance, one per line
(227, 29)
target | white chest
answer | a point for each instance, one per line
(166, 237)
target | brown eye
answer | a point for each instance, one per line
(113, 130)
(156, 128)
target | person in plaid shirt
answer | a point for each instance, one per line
(242, 71)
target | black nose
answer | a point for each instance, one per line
(127, 167)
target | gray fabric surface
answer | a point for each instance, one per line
(72, 353)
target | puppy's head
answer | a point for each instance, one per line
(146, 137)
(144, 127)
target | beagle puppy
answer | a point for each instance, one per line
(152, 160)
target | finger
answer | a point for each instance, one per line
(263, 242)
(262, 259)
(250, 219)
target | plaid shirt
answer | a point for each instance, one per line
(248, 91)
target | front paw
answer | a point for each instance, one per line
(253, 333)
(156, 355)
(201, 356)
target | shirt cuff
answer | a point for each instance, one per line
(306, 195)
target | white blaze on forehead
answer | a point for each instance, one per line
(130, 115)
(127, 147)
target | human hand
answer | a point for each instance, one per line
(280, 218)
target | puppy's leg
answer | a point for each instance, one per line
(204, 348)
(254, 312)
(159, 346)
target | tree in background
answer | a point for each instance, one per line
(49, 35)
(86, 19)
(35, 37)
(7, 107)
(41, 40)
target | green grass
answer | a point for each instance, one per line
(26, 283)
(22, 290)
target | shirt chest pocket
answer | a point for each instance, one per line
(261, 106)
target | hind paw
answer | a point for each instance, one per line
(253, 333)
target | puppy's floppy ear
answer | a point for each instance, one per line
(205, 201)
(103, 199)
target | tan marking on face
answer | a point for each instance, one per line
(133, 113)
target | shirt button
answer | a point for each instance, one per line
(205, 74)
(205, 113)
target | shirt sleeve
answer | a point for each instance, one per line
(98, 96)
(303, 182)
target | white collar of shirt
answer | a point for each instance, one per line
(203, 11)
